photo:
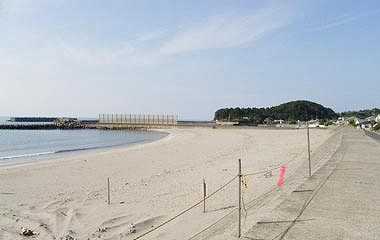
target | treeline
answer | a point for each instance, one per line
(361, 113)
(290, 112)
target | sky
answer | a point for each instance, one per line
(83, 58)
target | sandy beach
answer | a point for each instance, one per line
(67, 198)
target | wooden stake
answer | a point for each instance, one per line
(108, 191)
(204, 195)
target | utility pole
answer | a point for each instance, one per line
(240, 176)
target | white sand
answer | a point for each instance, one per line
(153, 181)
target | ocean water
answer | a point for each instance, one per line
(20, 146)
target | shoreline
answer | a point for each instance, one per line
(60, 155)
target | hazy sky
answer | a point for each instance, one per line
(71, 57)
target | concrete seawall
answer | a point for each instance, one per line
(340, 201)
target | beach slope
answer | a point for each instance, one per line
(149, 183)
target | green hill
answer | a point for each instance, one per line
(291, 111)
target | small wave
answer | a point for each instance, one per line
(98, 147)
(26, 155)
(78, 149)
(67, 150)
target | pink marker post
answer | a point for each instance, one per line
(281, 178)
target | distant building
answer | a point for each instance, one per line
(279, 121)
(359, 122)
(371, 119)
(268, 121)
(367, 123)
(341, 120)
(223, 123)
(378, 118)
(313, 123)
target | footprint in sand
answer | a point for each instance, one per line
(117, 227)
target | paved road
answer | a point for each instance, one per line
(340, 201)
(373, 135)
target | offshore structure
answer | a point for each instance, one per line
(137, 121)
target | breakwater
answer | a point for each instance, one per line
(45, 123)
(28, 126)
(33, 119)
(42, 126)
(105, 121)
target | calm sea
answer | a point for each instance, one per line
(20, 146)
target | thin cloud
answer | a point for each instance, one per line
(125, 55)
(227, 31)
(151, 36)
(342, 20)
(160, 45)
(217, 32)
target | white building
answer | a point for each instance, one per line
(279, 121)
(313, 123)
(378, 118)
(371, 119)
(359, 122)
(222, 123)
(365, 123)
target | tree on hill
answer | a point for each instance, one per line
(291, 111)
(361, 113)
